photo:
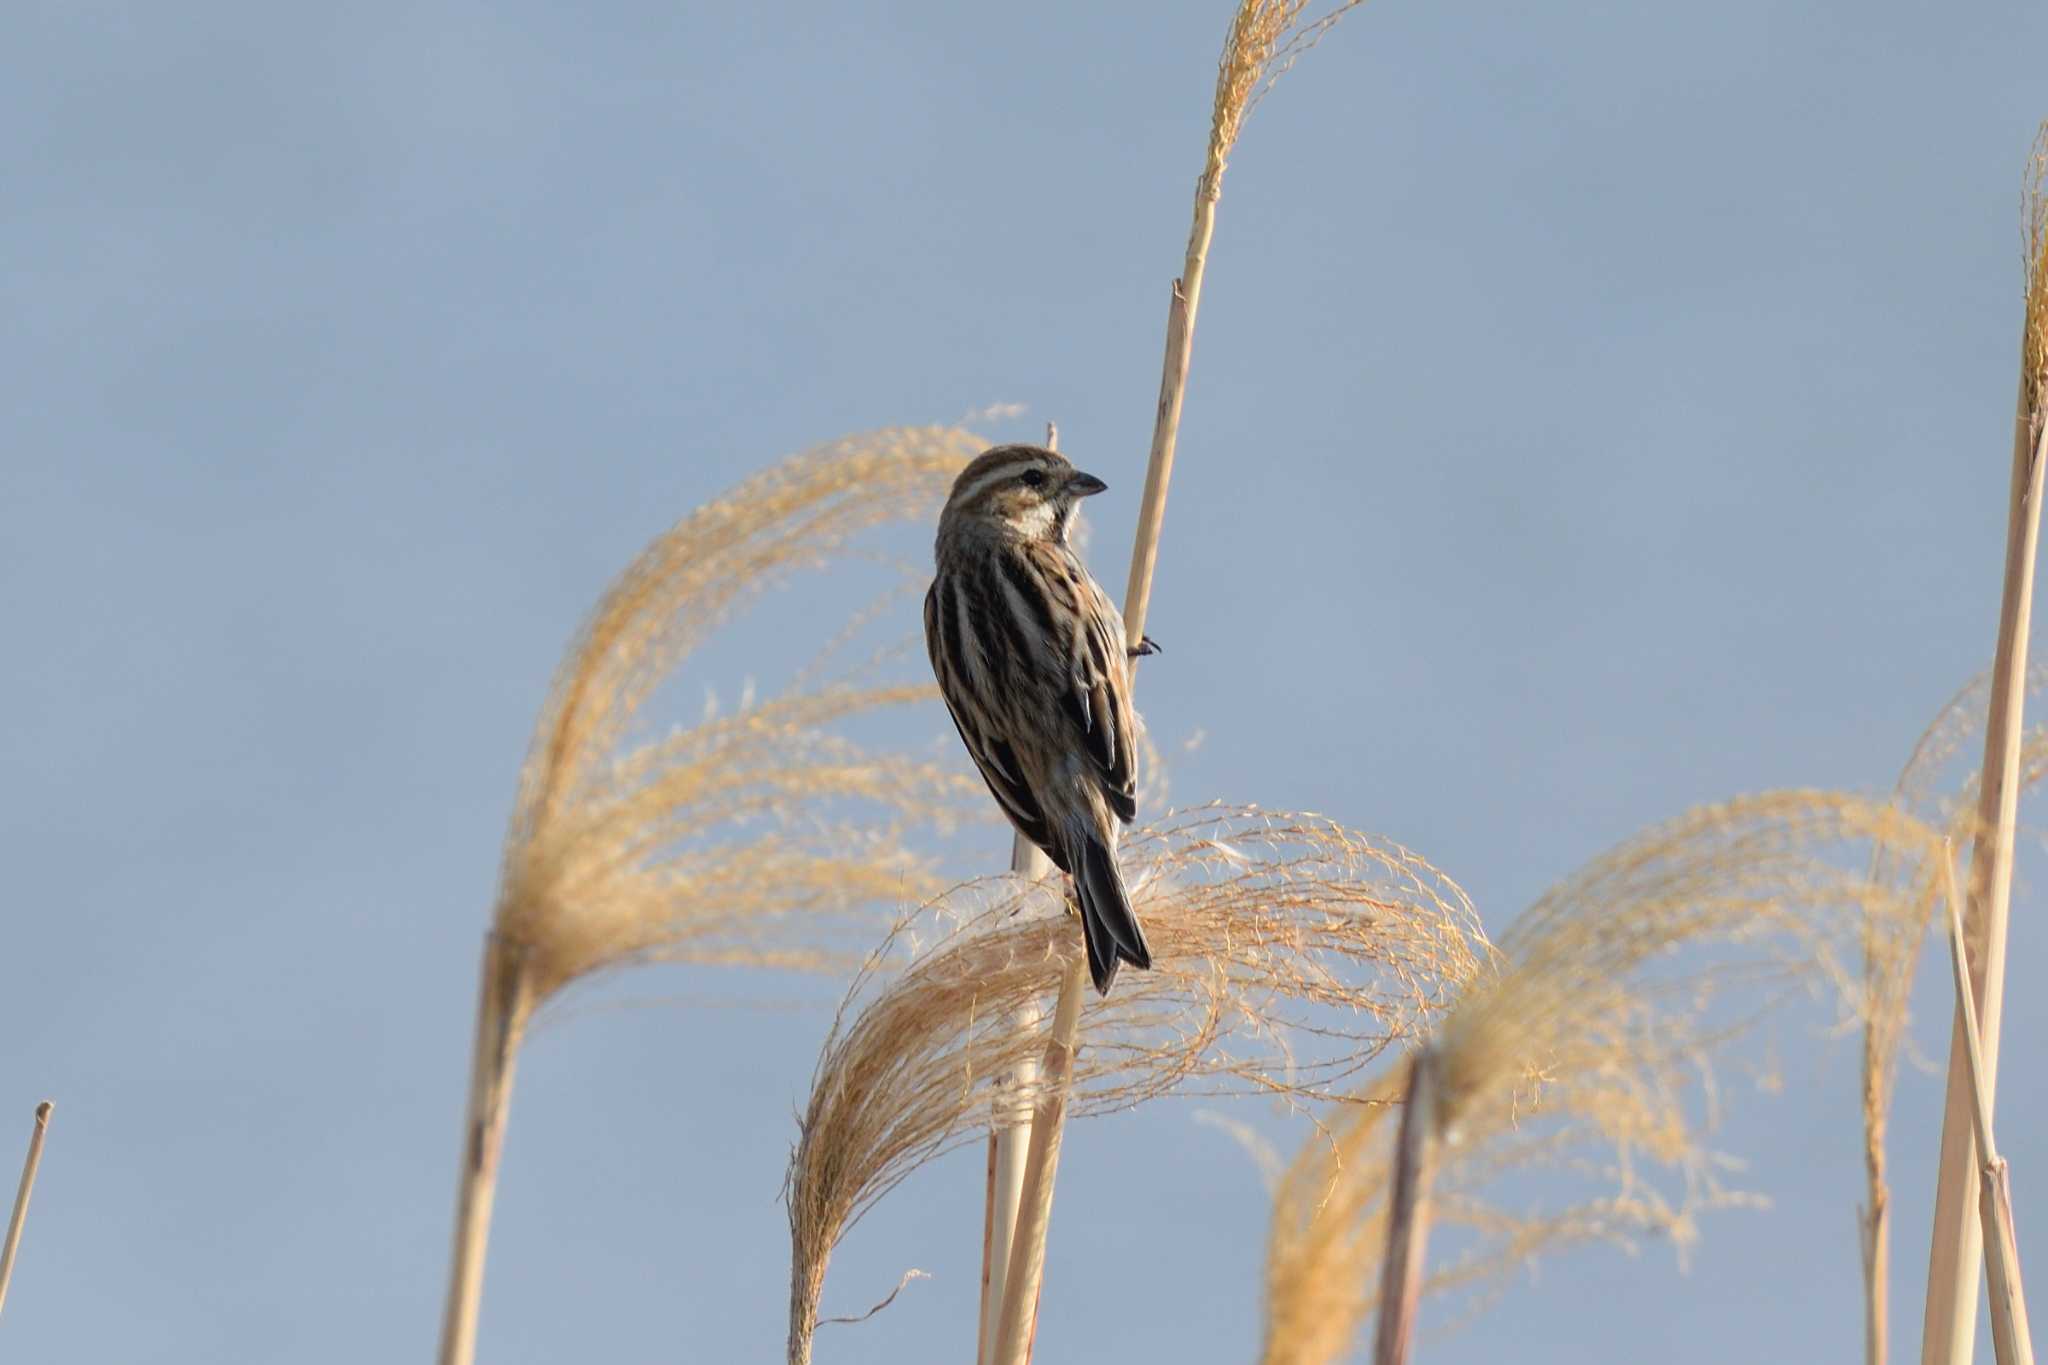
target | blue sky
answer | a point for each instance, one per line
(1597, 409)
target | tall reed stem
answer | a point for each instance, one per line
(1009, 1148)
(504, 1005)
(1019, 1316)
(2011, 1337)
(1948, 1332)
(1407, 1216)
(27, 1187)
(1874, 1226)
(1173, 388)
(1009, 1140)
(1255, 33)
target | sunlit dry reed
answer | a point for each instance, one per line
(1009, 1138)
(1592, 1039)
(1891, 950)
(737, 840)
(18, 1219)
(1263, 41)
(2012, 1338)
(1287, 953)
(1948, 1329)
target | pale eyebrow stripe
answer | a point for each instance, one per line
(994, 476)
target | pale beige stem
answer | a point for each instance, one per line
(504, 1003)
(804, 1292)
(1948, 1332)
(1010, 1145)
(2011, 1337)
(1873, 1218)
(1407, 1216)
(1010, 1137)
(22, 1192)
(1874, 1223)
(1173, 388)
(1041, 1164)
(1017, 1319)
(988, 1240)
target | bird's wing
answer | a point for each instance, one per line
(947, 640)
(1103, 676)
(1095, 699)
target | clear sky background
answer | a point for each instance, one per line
(1597, 409)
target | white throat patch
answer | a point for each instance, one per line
(1037, 522)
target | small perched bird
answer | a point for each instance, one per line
(1030, 656)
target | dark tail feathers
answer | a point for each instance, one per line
(1107, 921)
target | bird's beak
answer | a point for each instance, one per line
(1081, 485)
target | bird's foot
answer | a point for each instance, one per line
(1146, 646)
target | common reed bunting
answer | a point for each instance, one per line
(1030, 656)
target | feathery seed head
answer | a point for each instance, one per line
(727, 841)
(1288, 952)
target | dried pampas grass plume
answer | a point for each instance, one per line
(734, 841)
(1590, 1040)
(1287, 953)
(616, 856)
(1266, 38)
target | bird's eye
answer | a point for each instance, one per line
(1033, 478)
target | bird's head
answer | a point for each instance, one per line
(1023, 491)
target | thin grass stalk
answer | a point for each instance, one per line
(1019, 1320)
(1949, 1328)
(1887, 977)
(1874, 1225)
(984, 1329)
(504, 1005)
(1890, 954)
(2011, 1338)
(1407, 1215)
(1009, 1154)
(19, 1217)
(1010, 1137)
(1255, 33)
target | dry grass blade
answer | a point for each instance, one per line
(1407, 1213)
(19, 1217)
(2011, 1337)
(1890, 950)
(1590, 1041)
(735, 841)
(1265, 38)
(1009, 1139)
(1948, 1329)
(1287, 952)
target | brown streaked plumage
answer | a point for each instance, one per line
(1030, 656)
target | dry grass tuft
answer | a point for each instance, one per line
(1266, 38)
(739, 840)
(705, 843)
(1588, 1050)
(2034, 345)
(1287, 953)
(1926, 789)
